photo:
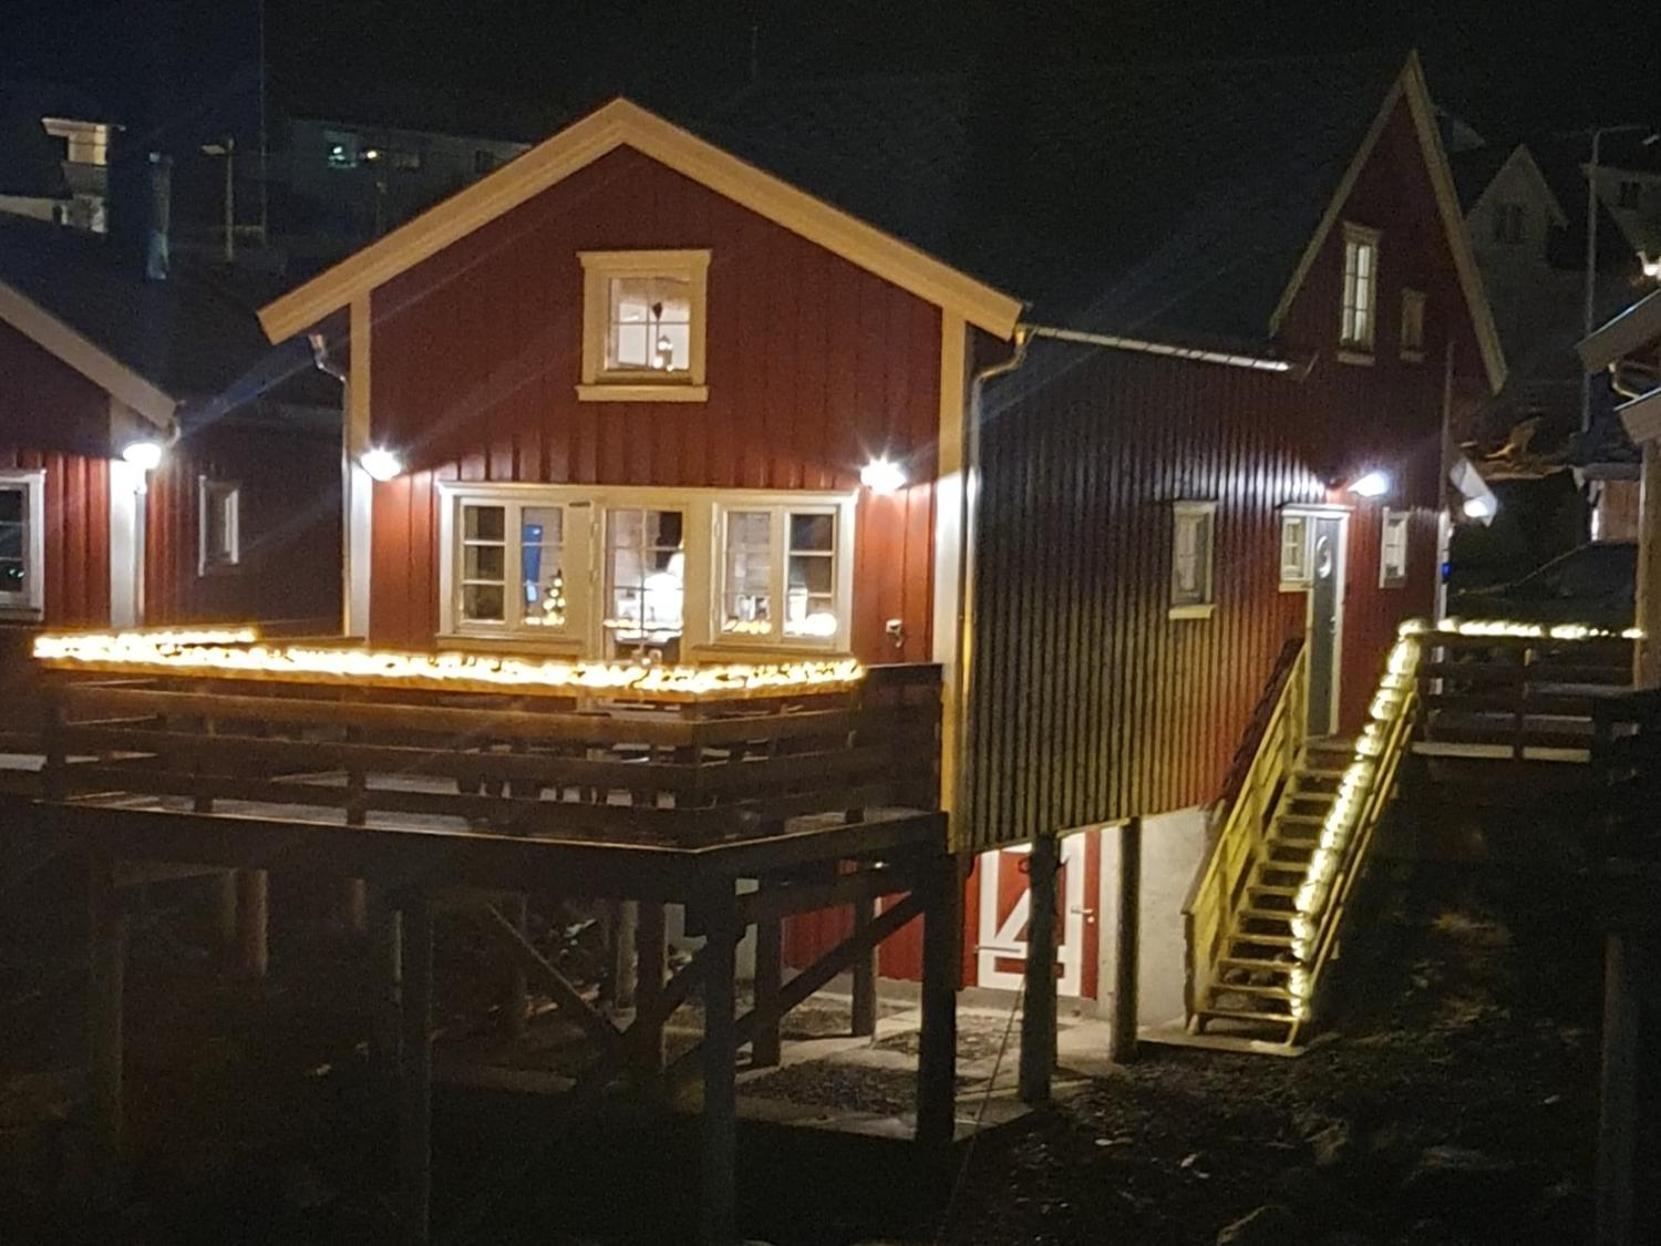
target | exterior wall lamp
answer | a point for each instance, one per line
(381, 464)
(1372, 485)
(882, 476)
(146, 455)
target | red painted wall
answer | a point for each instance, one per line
(290, 535)
(814, 366)
(51, 417)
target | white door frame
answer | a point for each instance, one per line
(1003, 941)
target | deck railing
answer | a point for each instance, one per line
(635, 765)
(1267, 754)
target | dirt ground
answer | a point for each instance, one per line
(1452, 1100)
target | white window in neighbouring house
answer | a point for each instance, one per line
(644, 326)
(1413, 325)
(22, 544)
(1360, 307)
(1629, 194)
(1392, 561)
(1510, 224)
(784, 574)
(645, 578)
(219, 525)
(1192, 541)
(1296, 545)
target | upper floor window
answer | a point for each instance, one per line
(1413, 325)
(1629, 194)
(1193, 531)
(342, 149)
(1392, 560)
(1510, 225)
(643, 326)
(22, 544)
(219, 525)
(1296, 545)
(1360, 308)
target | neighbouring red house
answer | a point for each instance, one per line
(1191, 336)
(159, 462)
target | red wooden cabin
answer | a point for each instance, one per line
(97, 359)
(634, 396)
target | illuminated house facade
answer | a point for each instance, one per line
(152, 446)
(647, 393)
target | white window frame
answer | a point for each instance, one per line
(31, 602)
(841, 507)
(1413, 325)
(1297, 573)
(602, 384)
(210, 492)
(1203, 517)
(1394, 521)
(586, 508)
(1358, 311)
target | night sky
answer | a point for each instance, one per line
(518, 68)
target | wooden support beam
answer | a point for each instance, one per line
(942, 969)
(765, 1046)
(652, 950)
(106, 974)
(1127, 919)
(516, 992)
(570, 1001)
(864, 1005)
(1618, 1115)
(386, 1040)
(253, 920)
(225, 918)
(354, 907)
(720, 1048)
(416, 1088)
(624, 918)
(1038, 996)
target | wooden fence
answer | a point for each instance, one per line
(611, 769)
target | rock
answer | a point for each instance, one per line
(1302, 1187)
(1334, 1146)
(1473, 1185)
(1269, 1225)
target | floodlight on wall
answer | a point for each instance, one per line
(1372, 485)
(381, 464)
(145, 455)
(882, 476)
(1482, 507)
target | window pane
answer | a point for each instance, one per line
(484, 562)
(483, 602)
(747, 605)
(812, 532)
(649, 324)
(484, 523)
(11, 540)
(645, 583)
(13, 577)
(11, 505)
(812, 573)
(542, 564)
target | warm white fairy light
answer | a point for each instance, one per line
(237, 653)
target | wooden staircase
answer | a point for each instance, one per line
(1253, 990)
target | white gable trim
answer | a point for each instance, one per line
(64, 343)
(1411, 86)
(625, 124)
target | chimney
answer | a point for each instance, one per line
(160, 216)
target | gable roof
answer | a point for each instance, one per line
(1635, 328)
(156, 346)
(1477, 170)
(622, 123)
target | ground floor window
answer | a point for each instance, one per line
(22, 543)
(1392, 561)
(633, 573)
(219, 527)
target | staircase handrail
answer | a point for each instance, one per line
(1268, 751)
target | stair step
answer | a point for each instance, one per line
(1238, 1014)
(1258, 965)
(1272, 889)
(1243, 988)
(1301, 819)
(1268, 915)
(1240, 937)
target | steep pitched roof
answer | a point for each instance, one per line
(1166, 199)
(156, 345)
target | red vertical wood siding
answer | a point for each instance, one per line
(814, 366)
(289, 529)
(53, 418)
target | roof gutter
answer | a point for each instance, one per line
(1111, 341)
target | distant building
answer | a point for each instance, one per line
(53, 166)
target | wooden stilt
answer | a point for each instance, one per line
(623, 952)
(385, 1045)
(515, 999)
(415, 1092)
(1618, 1091)
(720, 1113)
(1127, 923)
(1038, 997)
(224, 916)
(942, 967)
(106, 973)
(253, 922)
(865, 974)
(652, 961)
(354, 907)
(765, 1047)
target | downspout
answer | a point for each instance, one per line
(329, 366)
(968, 502)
